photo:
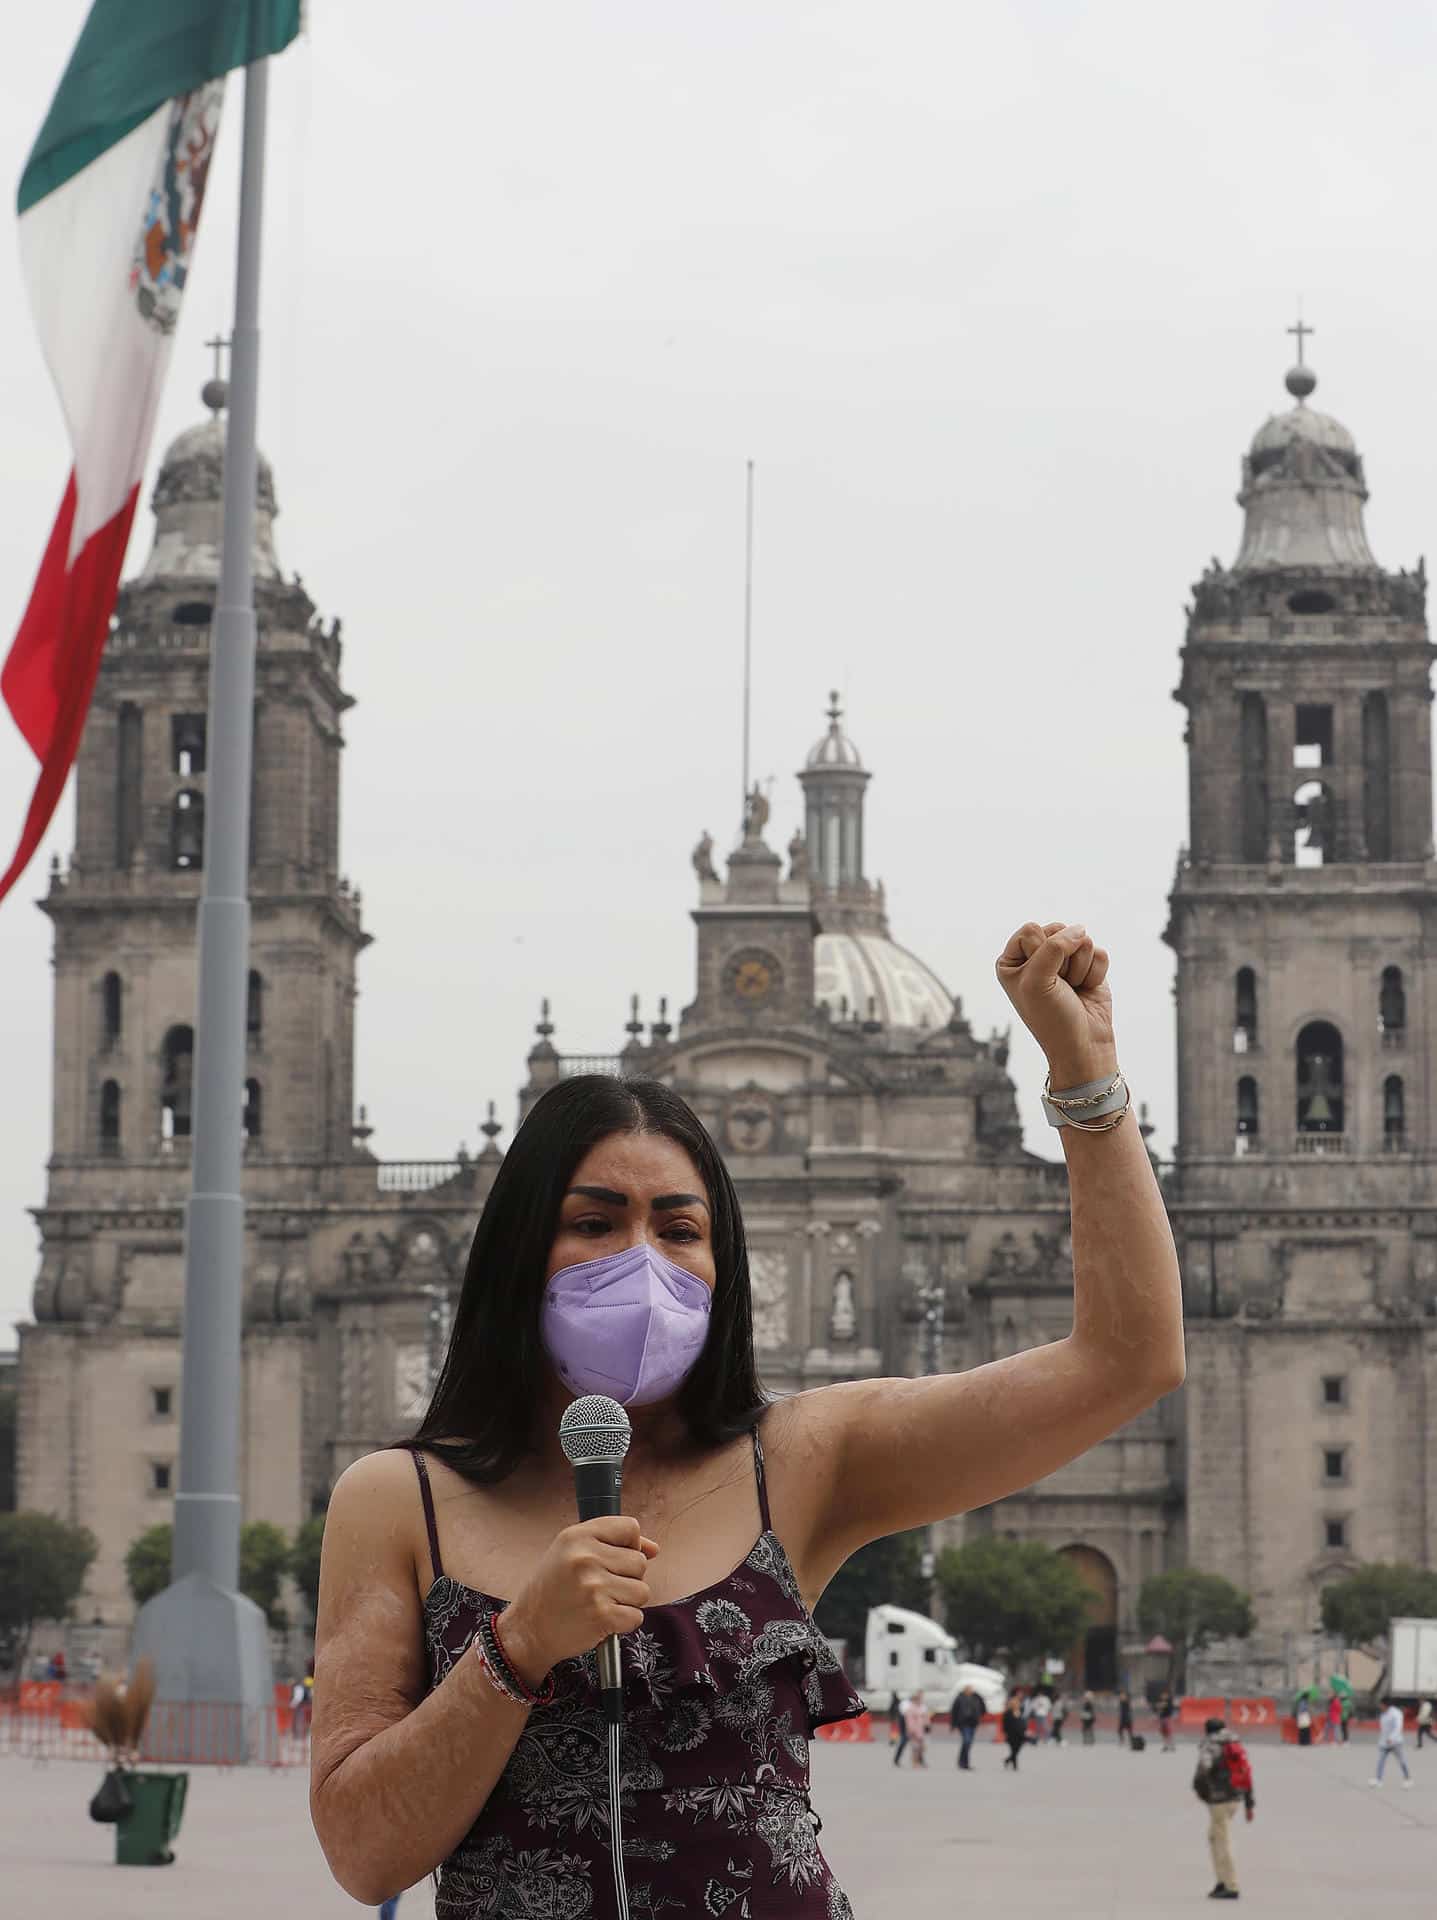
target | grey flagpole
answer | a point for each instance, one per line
(207, 1505)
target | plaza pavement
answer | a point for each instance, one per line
(1089, 1834)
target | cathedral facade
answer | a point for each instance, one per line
(897, 1224)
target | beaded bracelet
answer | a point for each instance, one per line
(489, 1650)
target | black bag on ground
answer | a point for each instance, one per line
(1137, 1741)
(112, 1799)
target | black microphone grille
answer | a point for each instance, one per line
(594, 1428)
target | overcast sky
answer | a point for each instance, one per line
(994, 295)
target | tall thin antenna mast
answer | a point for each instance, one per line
(747, 632)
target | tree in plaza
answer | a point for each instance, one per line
(43, 1563)
(147, 1563)
(1013, 1597)
(1192, 1609)
(304, 1561)
(887, 1572)
(1360, 1608)
(264, 1559)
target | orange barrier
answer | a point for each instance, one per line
(1192, 1713)
(200, 1733)
(859, 1729)
(1246, 1716)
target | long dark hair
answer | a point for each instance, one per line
(481, 1418)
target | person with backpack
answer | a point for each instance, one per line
(1223, 1780)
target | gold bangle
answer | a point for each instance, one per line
(1105, 1126)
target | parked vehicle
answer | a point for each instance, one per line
(1412, 1663)
(904, 1650)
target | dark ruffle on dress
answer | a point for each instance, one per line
(722, 1693)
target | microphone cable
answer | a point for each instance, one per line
(616, 1824)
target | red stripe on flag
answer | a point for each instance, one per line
(50, 675)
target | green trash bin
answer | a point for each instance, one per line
(142, 1838)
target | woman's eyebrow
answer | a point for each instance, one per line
(602, 1193)
(668, 1202)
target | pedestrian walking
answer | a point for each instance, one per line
(902, 1725)
(1334, 1718)
(1061, 1709)
(1166, 1710)
(1346, 1716)
(1042, 1708)
(1015, 1729)
(1389, 1741)
(1223, 1781)
(915, 1725)
(1303, 1717)
(1425, 1729)
(967, 1717)
(1090, 1720)
(1125, 1716)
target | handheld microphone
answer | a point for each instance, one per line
(594, 1434)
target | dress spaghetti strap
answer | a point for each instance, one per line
(759, 1476)
(426, 1493)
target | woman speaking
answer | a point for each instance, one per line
(458, 1725)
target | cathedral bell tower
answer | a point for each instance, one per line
(125, 915)
(1303, 916)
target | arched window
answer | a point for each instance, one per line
(1392, 1007)
(1244, 1029)
(1319, 1079)
(1313, 837)
(1247, 1114)
(251, 1115)
(1394, 1114)
(113, 996)
(254, 1009)
(187, 831)
(177, 1083)
(110, 1117)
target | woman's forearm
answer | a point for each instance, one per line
(402, 1800)
(1127, 1309)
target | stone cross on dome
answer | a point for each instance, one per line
(1300, 379)
(216, 391)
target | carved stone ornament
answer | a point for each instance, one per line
(749, 1121)
(768, 1275)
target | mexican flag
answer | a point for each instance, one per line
(109, 206)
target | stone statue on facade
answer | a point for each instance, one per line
(703, 858)
(755, 816)
(798, 858)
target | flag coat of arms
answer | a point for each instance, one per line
(109, 207)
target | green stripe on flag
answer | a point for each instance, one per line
(131, 57)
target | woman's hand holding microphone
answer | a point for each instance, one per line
(589, 1584)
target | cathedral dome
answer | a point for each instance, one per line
(188, 508)
(854, 969)
(834, 748)
(1303, 491)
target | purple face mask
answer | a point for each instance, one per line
(630, 1325)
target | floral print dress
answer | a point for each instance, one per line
(722, 1692)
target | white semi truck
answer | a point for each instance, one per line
(1412, 1663)
(904, 1651)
